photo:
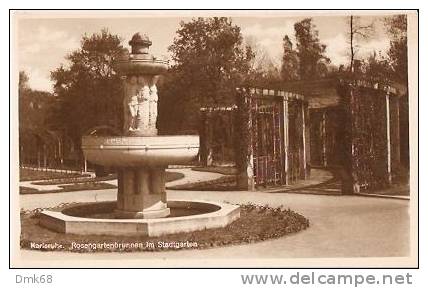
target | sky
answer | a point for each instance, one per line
(44, 41)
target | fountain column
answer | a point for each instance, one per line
(141, 192)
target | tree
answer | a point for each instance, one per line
(33, 104)
(23, 81)
(263, 68)
(397, 29)
(357, 31)
(209, 62)
(88, 88)
(209, 51)
(310, 52)
(259, 54)
(377, 68)
(290, 61)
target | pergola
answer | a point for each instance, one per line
(267, 129)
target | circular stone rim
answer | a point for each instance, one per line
(143, 142)
(140, 151)
(142, 66)
(60, 222)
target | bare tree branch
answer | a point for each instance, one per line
(357, 29)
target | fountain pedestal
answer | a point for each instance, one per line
(141, 193)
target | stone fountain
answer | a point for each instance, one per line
(140, 156)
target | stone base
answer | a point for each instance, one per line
(151, 214)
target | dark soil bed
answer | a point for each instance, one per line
(30, 175)
(75, 180)
(224, 183)
(27, 190)
(394, 190)
(257, 223)
(225, 170)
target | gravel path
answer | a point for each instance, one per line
(340, 226)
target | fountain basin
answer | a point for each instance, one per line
(137, 66)
(80, 219)
(140, 151)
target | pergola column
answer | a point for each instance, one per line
(286, 115)
(388, 137)
(245, 179)
(324, 138)
(304, 170)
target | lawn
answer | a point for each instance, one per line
(225, 170)
(170, 176)
(69, 188)
(79, 184)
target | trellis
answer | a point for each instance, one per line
(326, 131)
(216, 134)
(270, 136)
(371, 134)
(279, 138)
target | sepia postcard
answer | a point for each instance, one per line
(214, 138)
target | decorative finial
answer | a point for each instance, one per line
(140, 43)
